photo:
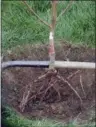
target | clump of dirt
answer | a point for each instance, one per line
(59, 102)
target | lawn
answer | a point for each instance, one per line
(20, 27)
(11, 119)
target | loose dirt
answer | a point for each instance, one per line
(15, 81)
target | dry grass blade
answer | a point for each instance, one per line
(82, 86)
(25, 98)
(32, 11)
(65, 81)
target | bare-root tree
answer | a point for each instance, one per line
(52, 74)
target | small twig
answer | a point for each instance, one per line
(32, 11)
(63, 12)
(64, 80)
(82, 86)
(70, 76)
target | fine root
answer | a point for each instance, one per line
(82, 86)
(65, 81)
(45, 91)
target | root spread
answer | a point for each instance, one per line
(39, 93)
(45, 91)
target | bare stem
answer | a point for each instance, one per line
(63, 12)
(54, 14)
(51, 37)
(32, 11)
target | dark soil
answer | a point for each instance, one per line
(15, 80)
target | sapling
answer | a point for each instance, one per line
(52, 74)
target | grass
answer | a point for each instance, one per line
(20, 27)
(11, 119)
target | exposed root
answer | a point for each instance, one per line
(82, 86)
(49, 86)
(40, 78)
(48, 74)
(57, 89)
(44, 91)
(65, 81)
(73, 74)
